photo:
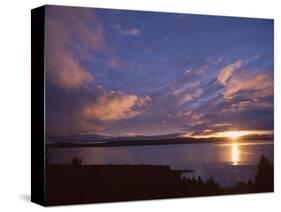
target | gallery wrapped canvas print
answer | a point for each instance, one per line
(136, 105)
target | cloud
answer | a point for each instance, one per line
(63, 110)
(191, 96)
(90, 110)
(233, 114)
(130, 31)
(114, 105)
(242, 105)
(183, 89)
(70, 122)
(225, 73)
(118, 64)
(259, 85)
(67, 72)
(238, 96)
(256, 85)
(188, 88)
(220, 125)
(71, 33)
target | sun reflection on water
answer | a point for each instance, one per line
(235, 153)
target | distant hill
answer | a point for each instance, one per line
(94, 140)
(77, 138)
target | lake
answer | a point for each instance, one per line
(228, 163)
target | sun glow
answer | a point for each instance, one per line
(234, 134)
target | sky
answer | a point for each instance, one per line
(125, 73)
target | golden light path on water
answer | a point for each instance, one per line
(234, 136)
(235, 153)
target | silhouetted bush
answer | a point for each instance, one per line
(76, 161)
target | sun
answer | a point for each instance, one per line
(233, 134)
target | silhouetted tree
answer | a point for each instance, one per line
(76, 161)
(48, 156)
(250, 183)
(264, 177)
(199, 181)
(211, 185)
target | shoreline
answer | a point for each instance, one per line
(147, 142)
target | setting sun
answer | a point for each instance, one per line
(234, 134)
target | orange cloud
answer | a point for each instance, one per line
(66, 71)
(226, 72)
(260, 84)
(115, 106)
(220, 125)
(67, 29)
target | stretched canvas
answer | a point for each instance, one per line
(136, 105)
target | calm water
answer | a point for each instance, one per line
(227, 163)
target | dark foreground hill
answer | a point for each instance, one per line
(77, 183)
